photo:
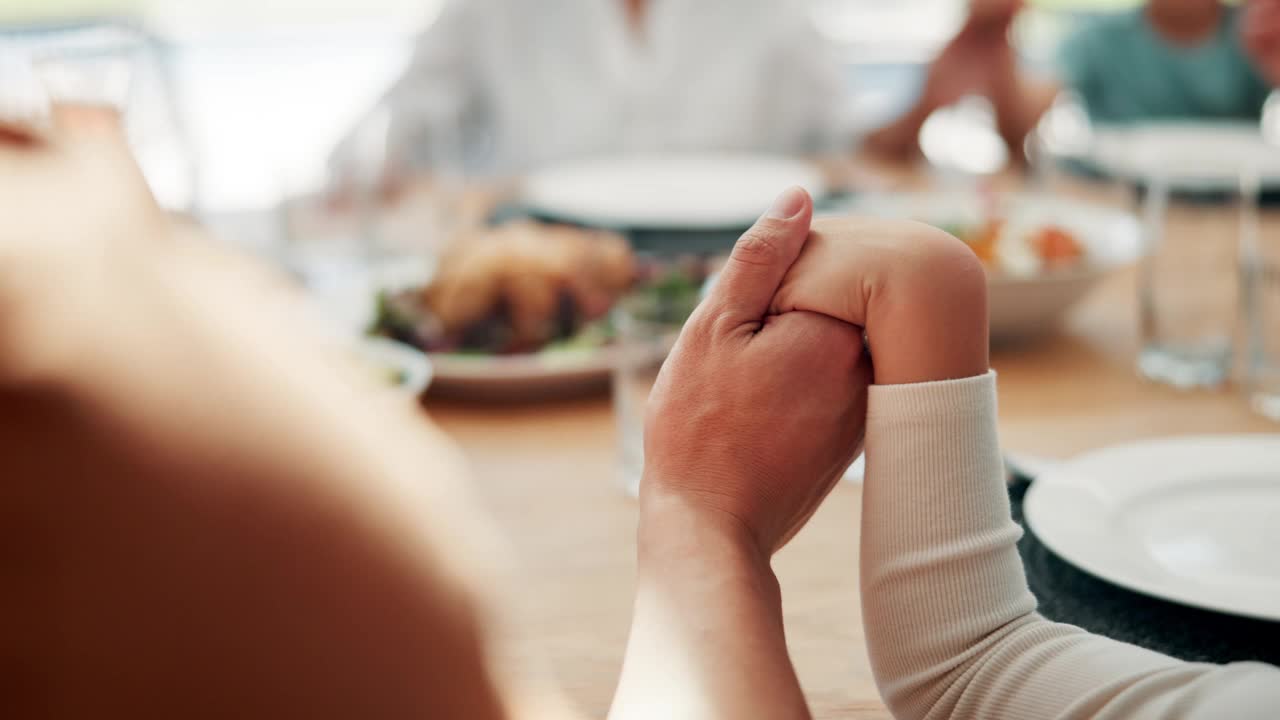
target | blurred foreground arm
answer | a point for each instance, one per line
(201, 515)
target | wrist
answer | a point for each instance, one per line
(680, 538)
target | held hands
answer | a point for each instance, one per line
(754, 417)
(762, 403)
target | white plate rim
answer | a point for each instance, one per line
(537, 198)
(547, 365)
(1191, 131)
(415, 365)
(1038, 507)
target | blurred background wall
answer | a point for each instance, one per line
(264, 88)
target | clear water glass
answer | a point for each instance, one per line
(645, 334)
(1061, 152)
(1260, 303)
(1187, 280)
(363, 222)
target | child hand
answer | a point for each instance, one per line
(920, 294)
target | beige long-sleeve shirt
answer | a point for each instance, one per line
(951, 626)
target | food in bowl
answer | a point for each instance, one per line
(1030, 285)
(1020, 246)
(526, 287)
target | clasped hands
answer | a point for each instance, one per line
(762, 404)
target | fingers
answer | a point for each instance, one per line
(760, 260)
(836, 340)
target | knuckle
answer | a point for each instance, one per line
(758, 246)
(710, 321)
(723, 323)
(700, 327)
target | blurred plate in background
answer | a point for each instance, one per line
(689, 192)
(1025, 303)
(1188, 519)
(1190, 156)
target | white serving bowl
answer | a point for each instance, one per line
(1024, 306)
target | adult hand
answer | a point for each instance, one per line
(1260, 32)
(755, 416)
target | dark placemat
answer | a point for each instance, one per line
(1072, 596)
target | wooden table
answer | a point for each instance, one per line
(548, 473)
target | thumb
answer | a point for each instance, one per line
(761, 258)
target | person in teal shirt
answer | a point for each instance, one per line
(1126, 68)
(1167, 60)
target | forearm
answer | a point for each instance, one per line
(951, 625)
(1019, 102)
(707, 637)
(900, 138)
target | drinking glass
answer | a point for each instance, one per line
(116, 66)
(1187, 280)
(366, 222)
(639, 356)
(646, 327)
(1062, 152)
(1260, 302)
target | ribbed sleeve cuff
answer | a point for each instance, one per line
(973, 396)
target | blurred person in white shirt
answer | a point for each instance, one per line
(512, 85)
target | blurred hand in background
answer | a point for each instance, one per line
(978, 60)
(1260, 33)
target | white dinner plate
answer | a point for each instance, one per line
(667, 191)
(1194, 520)
(1196, 156)
(525, 375)
(1026, 306)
